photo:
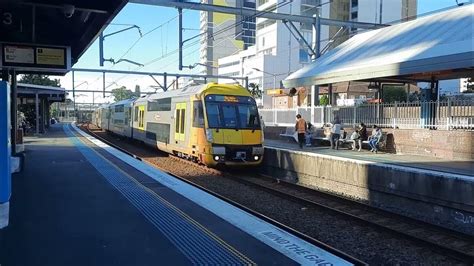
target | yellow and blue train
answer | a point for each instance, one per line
(213, 124)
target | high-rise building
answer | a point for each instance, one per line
(224, 34)
(277, 53)
(382, 11)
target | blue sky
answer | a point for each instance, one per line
(157, 49)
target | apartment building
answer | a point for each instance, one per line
(224, 34)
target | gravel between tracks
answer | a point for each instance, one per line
(355, 238)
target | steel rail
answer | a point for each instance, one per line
(465, 246)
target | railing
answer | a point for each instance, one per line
(445, 115)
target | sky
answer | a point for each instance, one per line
(157, 48)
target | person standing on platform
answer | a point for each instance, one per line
(300, 128)
(362, 134)
(309, 134)
(335, 133)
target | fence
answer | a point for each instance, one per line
(445, 115)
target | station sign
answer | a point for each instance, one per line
(35, 58)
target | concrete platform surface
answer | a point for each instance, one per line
(461, 167)
(78, 202)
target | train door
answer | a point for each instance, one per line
(180, 118)
(141, 117)
(127, 121)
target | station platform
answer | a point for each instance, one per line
(79, 201)
(430, 189)
(461, 167)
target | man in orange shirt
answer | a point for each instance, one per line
(300, 128)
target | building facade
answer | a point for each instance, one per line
(224, 34)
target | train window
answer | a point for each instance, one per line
(159, 105)
(183, 113)
(118, 108)
(198, 114)
(135, 117)
(213, 115)
(158, 131)
(142, 116)
(178, 116)
(248, 115)
(229, 115)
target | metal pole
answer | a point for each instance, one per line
(13, 108)
(180, 38)
(318, 32)
(381, 4)
(101, 49)
(247, 82)
(103, 83)
(37, 112)
(165, 81)
(73, 96)
(274, 81)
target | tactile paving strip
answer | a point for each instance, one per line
(199, 245)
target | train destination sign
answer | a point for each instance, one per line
(31, 58)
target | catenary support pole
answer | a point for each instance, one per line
(180, 38)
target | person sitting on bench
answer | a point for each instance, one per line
(375, 138)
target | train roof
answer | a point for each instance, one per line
(124, 102)
(210, 88)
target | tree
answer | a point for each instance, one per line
(122, 93)
(137, 91)
(39, 80)
(470, 85)
(394, 94)
(324, 100)
(255, 90)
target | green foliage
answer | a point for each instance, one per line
(39, 80)
(255, 90)
(324, 100)
(122, 93)
(394, 94)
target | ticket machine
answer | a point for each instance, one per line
(5, 153)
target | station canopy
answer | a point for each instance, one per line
(435, 47)
(74, 24)
(52, 94)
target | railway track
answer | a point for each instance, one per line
(443, 241)
(307, 238)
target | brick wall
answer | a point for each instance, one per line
(452, 145)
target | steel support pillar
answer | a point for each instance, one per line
(37, 112)
(13, 110)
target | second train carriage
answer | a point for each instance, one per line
(212, 124)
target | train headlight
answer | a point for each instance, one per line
(256, 157)
(216, 158)
(209, 135)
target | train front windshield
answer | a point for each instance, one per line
(237, 112)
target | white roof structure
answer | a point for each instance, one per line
(439, 46)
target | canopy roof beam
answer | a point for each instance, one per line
(257, 13)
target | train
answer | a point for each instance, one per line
(211, 124)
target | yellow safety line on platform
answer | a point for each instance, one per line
(224, 244)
